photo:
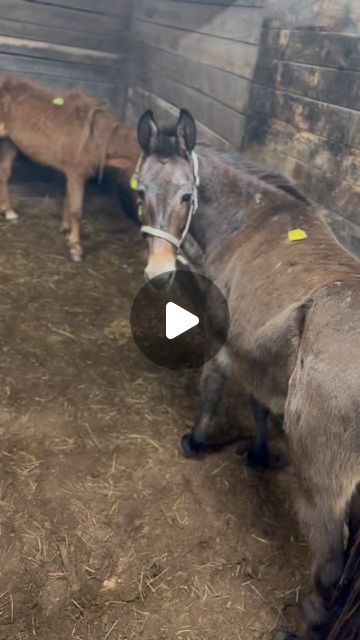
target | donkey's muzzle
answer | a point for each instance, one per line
(161, 282)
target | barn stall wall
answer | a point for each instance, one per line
(195, 53)
(304, 109)
(68, 44)
(279, 78)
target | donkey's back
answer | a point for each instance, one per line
(46, 127)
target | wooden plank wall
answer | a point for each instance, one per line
(198, 54)
(68, 44)
(304, 110)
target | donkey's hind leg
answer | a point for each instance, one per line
(74, 203)
(8, 153)
(213, 378)
(322, 515)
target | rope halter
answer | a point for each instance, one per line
(155, 231)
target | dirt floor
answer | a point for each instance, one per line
(107, 533)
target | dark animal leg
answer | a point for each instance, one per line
(354, 518)
(322, 517)
(213, 379)
(257, 455)
(8, 153)
(75, 197)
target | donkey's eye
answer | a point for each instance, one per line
(141, 194)
(186, 197)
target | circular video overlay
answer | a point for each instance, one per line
(183, 326)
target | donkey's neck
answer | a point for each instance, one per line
(224, 202)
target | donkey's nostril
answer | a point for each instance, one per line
(161, 282)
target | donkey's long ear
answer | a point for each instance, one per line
(185, 132)
(147, 132)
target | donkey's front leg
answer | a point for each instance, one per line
(8, 153)
(213, 378)
(73, 208)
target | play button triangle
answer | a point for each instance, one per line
(178, 320)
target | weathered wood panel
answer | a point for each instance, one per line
(235, 23)
(67, 44)
(33, 50)
(318, 152)
(334, 86)
(222, 86)
(236, 57)
(105, 7)
(337, 50)
(227, 3)
(329, 121)
(166, 113)
(228, 123)
(304, 109)
(200, 55)
(330, 15)
(67, 70)
(54, 35)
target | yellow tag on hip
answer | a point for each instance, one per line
(58, 101)
(134, 183)
(297, 234)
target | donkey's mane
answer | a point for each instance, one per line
(263, 174)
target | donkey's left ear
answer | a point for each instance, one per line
(147, 132)
(185, 132)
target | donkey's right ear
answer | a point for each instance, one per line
(147, 132)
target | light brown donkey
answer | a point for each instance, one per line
(72, 133)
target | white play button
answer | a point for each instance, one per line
(178, 320)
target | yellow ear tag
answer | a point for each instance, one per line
(134, 183)
(297, 234)
(58, 101)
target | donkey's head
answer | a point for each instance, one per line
(166, 181)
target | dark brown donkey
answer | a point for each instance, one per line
(72, 133)
(294, 300)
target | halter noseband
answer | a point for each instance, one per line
(155, 231)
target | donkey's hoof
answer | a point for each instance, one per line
(253, 456)
(189, 447)
(76, 252)
(11, 216)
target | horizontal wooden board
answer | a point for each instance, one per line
(226, 3)
(69, 70)
(330, 15)
(166, 114)
(33, 50)
(94, 41)
(334, 86)
(106, 7)
(96, 89)
(322, 154)
(60, 17)
(236, 23)
(337, 50)
(226, 122)
(220, 85)
(334, 123)
(235, 57)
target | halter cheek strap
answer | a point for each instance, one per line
(155, 231)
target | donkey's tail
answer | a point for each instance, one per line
(345, 615)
